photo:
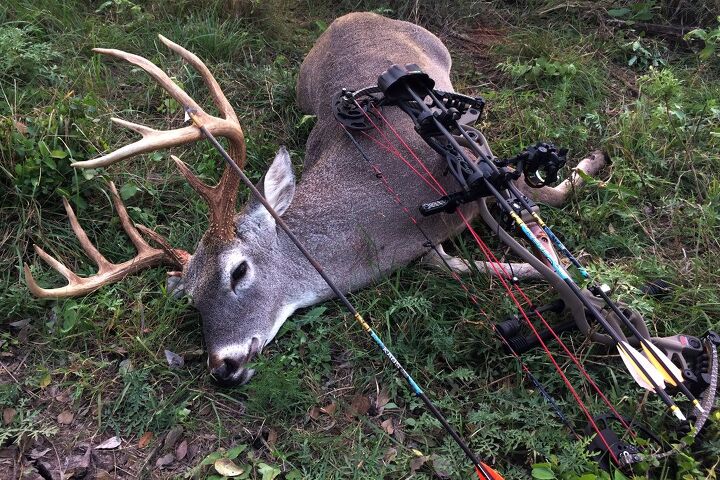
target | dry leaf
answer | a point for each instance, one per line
(382, 399)
(399, 433)
(172, 437)
(20, 127)
(8, 415)
(390, 455)
(65, 418)
(165, 460)
(181, 450)
(145, 439)
(314, 413)
(109, 444)
(103, 475)
(389, 426)
(174, 360)
(226, 467)
(36, 453)
(272, 437)
(329, 409)
(441, 466)
(417, 463)
(360, 405)
(62, 397)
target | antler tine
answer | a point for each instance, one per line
(108, 272)
(103, 264)
(181, 257)
(140, 245)
(204, 190)
(156, 73)
(219, 98)
(152, 140)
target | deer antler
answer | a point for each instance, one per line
(108, 272)
(221, 197)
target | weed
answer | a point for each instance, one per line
(710, 39)
(26, 425)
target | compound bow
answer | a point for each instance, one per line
(667, 365)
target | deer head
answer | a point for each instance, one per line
(224, 276)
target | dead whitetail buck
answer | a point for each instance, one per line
(245, 277)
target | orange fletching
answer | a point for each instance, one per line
(487, 472)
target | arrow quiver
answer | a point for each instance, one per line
(444, 121)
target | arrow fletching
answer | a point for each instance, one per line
(669, 370)
(636, 364)
(485, 472)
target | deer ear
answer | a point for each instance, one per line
(279, 182)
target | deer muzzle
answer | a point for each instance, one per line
(227, 366)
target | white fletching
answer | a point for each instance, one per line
(660, 360)
(633, 360)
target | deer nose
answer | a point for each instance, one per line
(227, 368)
(224, 370)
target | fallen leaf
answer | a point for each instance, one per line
(62, 397)
(360, 405)
(172, 437)
(36, 453)
(145, 439)
(382, 399)
(20, 324)
(272, 437)
(174, 360)
(9, 415)
(109, 444)
(103, 475)
(388, 426)
(399, 434)
(181, 450)
(165, 460)
(77, 465)
(45, 381)
(417, 463)
(20, 127)
(390, 455)
(314, 413)
(66, 417)
(226, 467)
(329, 409)
(9, 452)
(441, 466)
(268, 472)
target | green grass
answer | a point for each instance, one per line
(564, 77)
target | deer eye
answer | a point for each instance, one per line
(238, 274)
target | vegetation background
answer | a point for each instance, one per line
(619, 75)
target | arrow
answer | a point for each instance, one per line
(671, 372)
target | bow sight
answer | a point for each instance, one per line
(676, 364)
